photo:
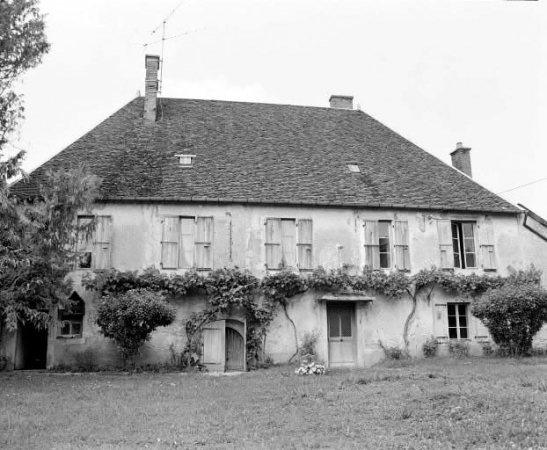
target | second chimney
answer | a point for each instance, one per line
(341, 101)
(152, 64)
(461, 159)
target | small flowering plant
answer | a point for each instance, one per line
(310, 369)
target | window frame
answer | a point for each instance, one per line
(459, 240)
(303, 243)
(74, 315)
(458, 327)
(89, 244)
(201, 243)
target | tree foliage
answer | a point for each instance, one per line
(37, 242)
(22, 45)
(131, 317)
(514, 312)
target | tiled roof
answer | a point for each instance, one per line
(250, 152)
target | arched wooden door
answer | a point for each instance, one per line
(235, 350)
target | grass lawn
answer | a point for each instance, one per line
(434, 404)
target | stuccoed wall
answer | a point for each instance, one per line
(238, 240)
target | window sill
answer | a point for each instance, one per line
(71, 340)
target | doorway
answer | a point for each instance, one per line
(224, 347)
(341, 334)
(31, 347)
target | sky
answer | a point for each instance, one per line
(437, 72)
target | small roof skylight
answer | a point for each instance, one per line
(354, 168)
(186, 160)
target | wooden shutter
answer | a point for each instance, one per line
(170, 243)
(487, 246)
(481, 332)
(214, 350)
(440, 322)
(444, 229)
(372, 244)
(402, 255)
(305, 260)
(204, 248)
(84, 244)
(187, 241)
(102, 242)
(288, 242)
(273, 243)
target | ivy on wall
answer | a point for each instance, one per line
(230, 289)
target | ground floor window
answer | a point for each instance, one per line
(71, 317)
(458, 325)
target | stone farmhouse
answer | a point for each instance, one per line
(200, 184)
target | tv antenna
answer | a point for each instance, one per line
(163, 39)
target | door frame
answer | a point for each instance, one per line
(353, 309)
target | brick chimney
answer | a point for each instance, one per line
(152, 64)
(461, 159)
(341, 101)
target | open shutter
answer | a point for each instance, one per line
(444, 229)
(273, 243)
(402, 255)
(487, 246)
(214, 350)
(288, 242)
(204, 248)
(305, 244)
(186, 253)
(372, 244)
(440, 322)
(170, 243)
(481, 332)
(84, 244)
(102, 244)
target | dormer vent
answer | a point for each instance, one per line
(186, 160)
(354, 168)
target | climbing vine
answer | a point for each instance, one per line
(227, 289)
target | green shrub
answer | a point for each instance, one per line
(513, 314)
(131, 317)
(459, 349)
(309, 343)
(429, 347)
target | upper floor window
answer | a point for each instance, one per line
(463, 244)
(93, 246)
(386, 244)
(187, 243)
(289, 243)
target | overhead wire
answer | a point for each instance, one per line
(521, 186)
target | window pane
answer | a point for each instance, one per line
(467, 230)
(451, 308)
(452, 321)
(470, 260)
(469, 245)
(383, 228)
(84, 260)
(455, 233)
(66, 328)
(463, 333)
(384, 261)
(76, 328)
(334, 329)
(384, 245)
(452, 333)
(457, 260)
(463, 321)
(462, 309)
(345, 320)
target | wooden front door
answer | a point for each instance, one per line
(214, 354)
(341, 332)
(235, 350)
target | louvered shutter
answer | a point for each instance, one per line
(273, 243)
(487, 246)
(170, 243)
(305, 244)
(402, 255)
(214, 346)
(440, 322)
(288, 242)
(187, 241)
(372, 247)
(102, 244)
(444, 229)
(204, 249)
